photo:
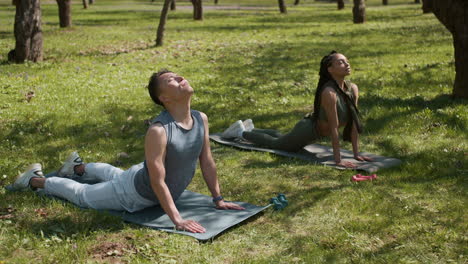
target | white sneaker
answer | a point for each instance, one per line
(234, 131)
(67, 169)
(248, 124)
(32, 171)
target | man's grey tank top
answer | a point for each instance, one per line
(182, 152)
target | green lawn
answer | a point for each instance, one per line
(249, 63)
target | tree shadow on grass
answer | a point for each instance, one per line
(86, 221)
(115, 131)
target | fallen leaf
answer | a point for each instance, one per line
(29, 96)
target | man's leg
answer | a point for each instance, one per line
(96, 196)
(100, 172)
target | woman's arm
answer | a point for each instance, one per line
(208, 168)
(155, 152)
(328, 101)
(354, 132)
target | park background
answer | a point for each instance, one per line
(244, 60)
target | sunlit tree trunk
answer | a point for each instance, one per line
(162, 23)
(282, 7)
(427, 6)
(340, 4)
(85, 4)
(359, 11)
(64, 12)
(173, 5)
(454, 16)
(28, 32)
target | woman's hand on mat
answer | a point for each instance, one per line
(222, 205)
(362, 158)
(346, 164)
(191, 226)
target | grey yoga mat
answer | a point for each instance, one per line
(317, 154)
(191, 205)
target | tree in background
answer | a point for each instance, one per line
(453, 14)
(282, 7)
(359, 11)
(427, 6)
(384, 2)
(28, 32)
(173, 5)
(340, 4)
(417, 1)
(215, 2)
(162, 23)
(197, 9)
(64, 12)
(85, 4)
(91, 2)
(296, 2)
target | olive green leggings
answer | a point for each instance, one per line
(303, 133)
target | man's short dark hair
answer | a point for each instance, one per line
(153, 86)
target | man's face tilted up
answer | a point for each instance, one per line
(174, 88)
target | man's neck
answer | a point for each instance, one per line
(181, 114)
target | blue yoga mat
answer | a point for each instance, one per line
(191, 205)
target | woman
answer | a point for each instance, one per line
(335, 106)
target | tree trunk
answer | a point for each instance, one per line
(384, 2)
(91, 2)
(64, 12)
(85, 4)
(296, 2)
(453, 14)
(427, 6)
(359, 11)
(417, 1)
(197, 9)
(162, 23)
(282, 7)
(28, 32)
(216, 2)
(340, 4)
(173, 5)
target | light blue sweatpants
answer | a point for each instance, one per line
(115, 189)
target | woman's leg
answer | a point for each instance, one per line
(302, 133)
(271, 132)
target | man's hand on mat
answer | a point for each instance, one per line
(362, 158)
(191, 226)
(221, 205)
(346, 164)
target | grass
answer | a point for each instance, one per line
(90, 96)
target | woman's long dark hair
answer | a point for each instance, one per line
(325, 77)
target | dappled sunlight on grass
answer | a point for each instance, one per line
(90, 96)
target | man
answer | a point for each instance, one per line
(177, 138)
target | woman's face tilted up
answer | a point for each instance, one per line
(339, 66)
